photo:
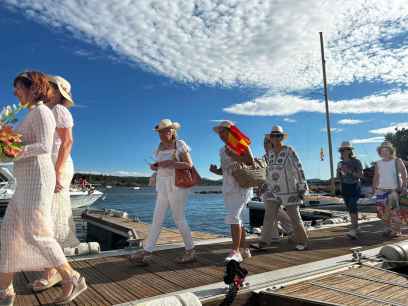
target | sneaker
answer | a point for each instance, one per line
(234, 255)
(301, 247)
(352, 234)
(246, 253)
(140, 258)
(259, 245)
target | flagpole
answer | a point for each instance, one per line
(326, 100)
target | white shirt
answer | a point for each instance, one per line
(63, 119)
(387, 178)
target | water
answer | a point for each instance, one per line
(204, 212)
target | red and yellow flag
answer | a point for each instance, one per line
(237, 141)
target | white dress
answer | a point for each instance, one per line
(27, 239)
(235, 197)
(64, 226)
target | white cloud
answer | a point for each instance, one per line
(377, 139)
(350, 121)
(333, 130)
(390, 129)
(392, 102)
(263, 43)
(289, 120)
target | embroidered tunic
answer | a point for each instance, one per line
(285, 177)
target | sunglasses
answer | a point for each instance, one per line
(276, 136)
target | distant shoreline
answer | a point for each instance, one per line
(127, 181)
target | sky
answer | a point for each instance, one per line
(257, 63)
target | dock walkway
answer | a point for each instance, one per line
(114, 280)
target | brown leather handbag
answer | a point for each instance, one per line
(186, 178)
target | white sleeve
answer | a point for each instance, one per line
(182, 147)
(63, 117)
(44, 128)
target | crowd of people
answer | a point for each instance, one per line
(38, 222)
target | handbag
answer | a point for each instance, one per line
(186, 178)
(248, 176)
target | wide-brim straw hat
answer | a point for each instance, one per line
(278, 130)
(167, 123)
(225, 124)
(387, 145)
(64, 88)
(346, 145)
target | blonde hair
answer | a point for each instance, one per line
(390, 148)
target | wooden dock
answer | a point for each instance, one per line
(112, 232)
(358, 285)
(114, 280)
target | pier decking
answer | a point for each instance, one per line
(114, 280)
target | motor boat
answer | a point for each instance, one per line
(80, 197)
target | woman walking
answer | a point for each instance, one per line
(270, 229)
(59, 100)
(171, 154)
(286, 185)
(27, 239)
(389, 182)
(235, 197)
(350, 172)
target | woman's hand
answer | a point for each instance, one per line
(154, 167)
(166, 163)
(58, 185)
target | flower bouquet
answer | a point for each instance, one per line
(11, 143)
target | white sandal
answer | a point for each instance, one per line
(44, 284)
(7, 296)
(78, 286)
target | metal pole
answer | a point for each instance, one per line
(326, 99)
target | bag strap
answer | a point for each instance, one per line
(397, 173)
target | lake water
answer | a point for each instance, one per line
(204, 212)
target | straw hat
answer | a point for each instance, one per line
(346, 145)
(388, 145)
(278, 130)
(64, 88)
(225, 124)
(166, 123)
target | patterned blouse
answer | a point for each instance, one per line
(285, 176)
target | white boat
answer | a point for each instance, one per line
(79, 197)
(108, 187)
(136, 188)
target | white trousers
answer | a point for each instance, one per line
(176, 199)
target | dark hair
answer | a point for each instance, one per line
(351, 154)
(35, 81)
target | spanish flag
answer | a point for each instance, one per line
(237, 141)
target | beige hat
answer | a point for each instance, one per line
(278, 130)
(166, 123)
(346, 145)
(225, 124)
(388, 145)
(64, 88)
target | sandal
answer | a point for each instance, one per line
(188, 257)
(7, 296)
(78, 286)
(140, 258)
(259, 245)
(44, 284)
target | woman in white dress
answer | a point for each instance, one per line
(64, 227)
(27, 238)
(235, 197)
(171, 154)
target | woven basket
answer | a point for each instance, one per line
(250, 176)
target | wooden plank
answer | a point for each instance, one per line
(24, 295)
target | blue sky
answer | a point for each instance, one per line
(131, 66)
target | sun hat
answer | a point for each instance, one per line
(346, 145)
(225, 124)
(388, 145)
(278, 130)
(166, 123)
(64, 87)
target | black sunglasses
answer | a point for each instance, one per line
(276, 135)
